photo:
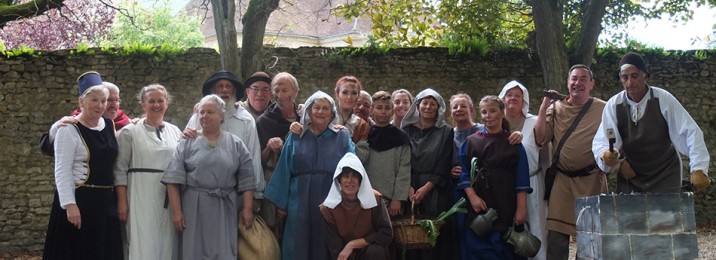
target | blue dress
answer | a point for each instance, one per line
(458, 140)
(503, 173)
(300, 183)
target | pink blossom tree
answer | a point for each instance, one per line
(86, 21)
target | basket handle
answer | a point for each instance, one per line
(412, 212)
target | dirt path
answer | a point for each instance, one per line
(706, 238)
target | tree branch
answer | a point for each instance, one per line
(125, 12)
(11, 12)
(254, 20)
(594, 12)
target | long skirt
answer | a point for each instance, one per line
(97, 238)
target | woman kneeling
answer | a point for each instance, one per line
(357, 225)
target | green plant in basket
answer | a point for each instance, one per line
(429, 224)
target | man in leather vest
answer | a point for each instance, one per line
(649, 128)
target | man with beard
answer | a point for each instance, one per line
(258, 94)
(649, 128)
(576, 172)
(238, 121)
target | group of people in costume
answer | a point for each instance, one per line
(330, 174)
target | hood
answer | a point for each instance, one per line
(365, 191)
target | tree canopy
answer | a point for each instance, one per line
(154, 26)
(60, 28)
(101, 23)
(448, 23)
(561, 32)
(498, 23)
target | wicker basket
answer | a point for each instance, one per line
(412, 236)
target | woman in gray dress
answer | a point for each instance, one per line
(203, 181)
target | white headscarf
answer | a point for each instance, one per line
(365, 191)
(413, 115)
(306, 113)
(525, 95)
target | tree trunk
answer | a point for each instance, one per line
(254, 21)
(224, 12)
(594, 12)
(551, 47)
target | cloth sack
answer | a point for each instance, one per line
(257, 242)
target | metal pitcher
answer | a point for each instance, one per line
(526, 244)
(482, 224)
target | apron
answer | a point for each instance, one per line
(651, 155)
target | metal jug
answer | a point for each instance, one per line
(526, 244)
(482, 224)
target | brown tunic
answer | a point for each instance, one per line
(348, 221)
(576, 154)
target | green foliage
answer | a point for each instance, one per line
(433, 230)
(17, 52)
(343, 54)
(701, 55)
(478, 26)
(614, 51)
(456, 208)
(497, 23)
(397, 23)
(464, 27)
(137, 28)
(472, 45)
(163, 52)
(82, 48)
(137, 48)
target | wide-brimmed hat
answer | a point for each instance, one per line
(87, 80)
(258, 76)
(634, 59)
(235, 81)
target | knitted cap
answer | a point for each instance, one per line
(636, 60)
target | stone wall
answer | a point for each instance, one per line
(35, 91)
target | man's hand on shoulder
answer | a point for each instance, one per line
(189, 133)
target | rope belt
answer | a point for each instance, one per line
(217, 192)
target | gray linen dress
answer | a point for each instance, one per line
(211, 177)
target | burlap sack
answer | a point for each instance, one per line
(257, 242)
